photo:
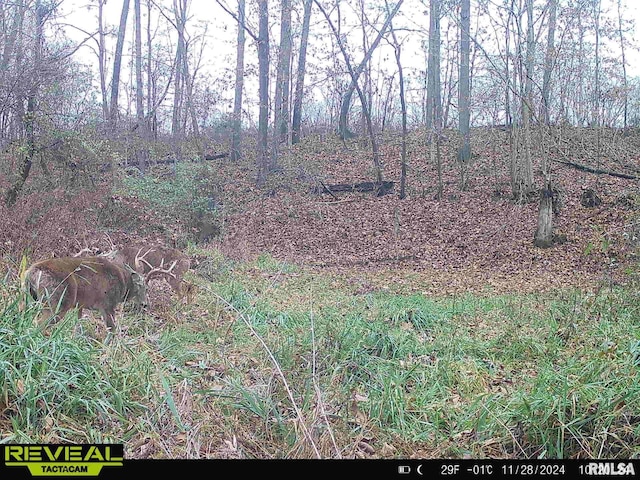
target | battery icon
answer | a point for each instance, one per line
(404, 469)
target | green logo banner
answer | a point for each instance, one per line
(63, 460)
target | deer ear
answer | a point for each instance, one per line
(137, 278)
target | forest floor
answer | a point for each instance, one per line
(475, 241)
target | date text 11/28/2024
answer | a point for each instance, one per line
(505, 468)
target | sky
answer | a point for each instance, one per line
(221, 36)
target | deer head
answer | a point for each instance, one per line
(157, 262)
(95, 283)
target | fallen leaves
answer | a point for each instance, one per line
(467, 242)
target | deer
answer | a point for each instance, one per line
(94, 283)
(151, 261)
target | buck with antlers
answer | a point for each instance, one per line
(95, 283)
(151, 261)
(157, 262)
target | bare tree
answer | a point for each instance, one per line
(283, 78)
(464, 153)
(624, 65)
(180, 12)
(596, 103)
(522, 167)
(264, 161)
(236, 134)
(102, 62)
(377, 166)
(141, 126)
(343, 128)
(509, 7)
(434, 102)
(403, 106)
(302, 61)
(543, 237)
(549, 60)
(12, 66)
(152, 122)
(189, 82)
(29, 118)
(117, 62)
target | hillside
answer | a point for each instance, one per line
(344, 326)
(474, 240)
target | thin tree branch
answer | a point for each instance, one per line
(237, 19)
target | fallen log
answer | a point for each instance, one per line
(597, 171)
(379, 188)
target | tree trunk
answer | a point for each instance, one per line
(507, 76)
(544, 233)
(549, 61)
(434, 103)
(448, 88)
(464, 87)
(403, 108)
(177, 131)
(180, 12)
(624, 66)
(117, 62)
(142, 127)
(151, 126)
(190, 104)
(102, 63)
(264, 163)
(283, 80)
(523, 172)
(343, 128)
(236, 136)
(302, 60)
(582, 117)
(597, 117)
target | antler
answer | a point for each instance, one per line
(86, 250)
(96, 251)
(153, 270)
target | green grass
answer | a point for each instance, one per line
(271, 360)
(58, 387)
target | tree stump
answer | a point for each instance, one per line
(544, 234)
(590, 199)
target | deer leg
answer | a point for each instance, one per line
(109, 318)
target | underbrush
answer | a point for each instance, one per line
(189, 195)
(273, 361)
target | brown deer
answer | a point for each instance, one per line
(94, 283)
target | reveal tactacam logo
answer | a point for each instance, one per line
(63, 460)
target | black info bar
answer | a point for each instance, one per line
(108, 461)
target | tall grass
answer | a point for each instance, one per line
(273, 361)
(57, 386)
